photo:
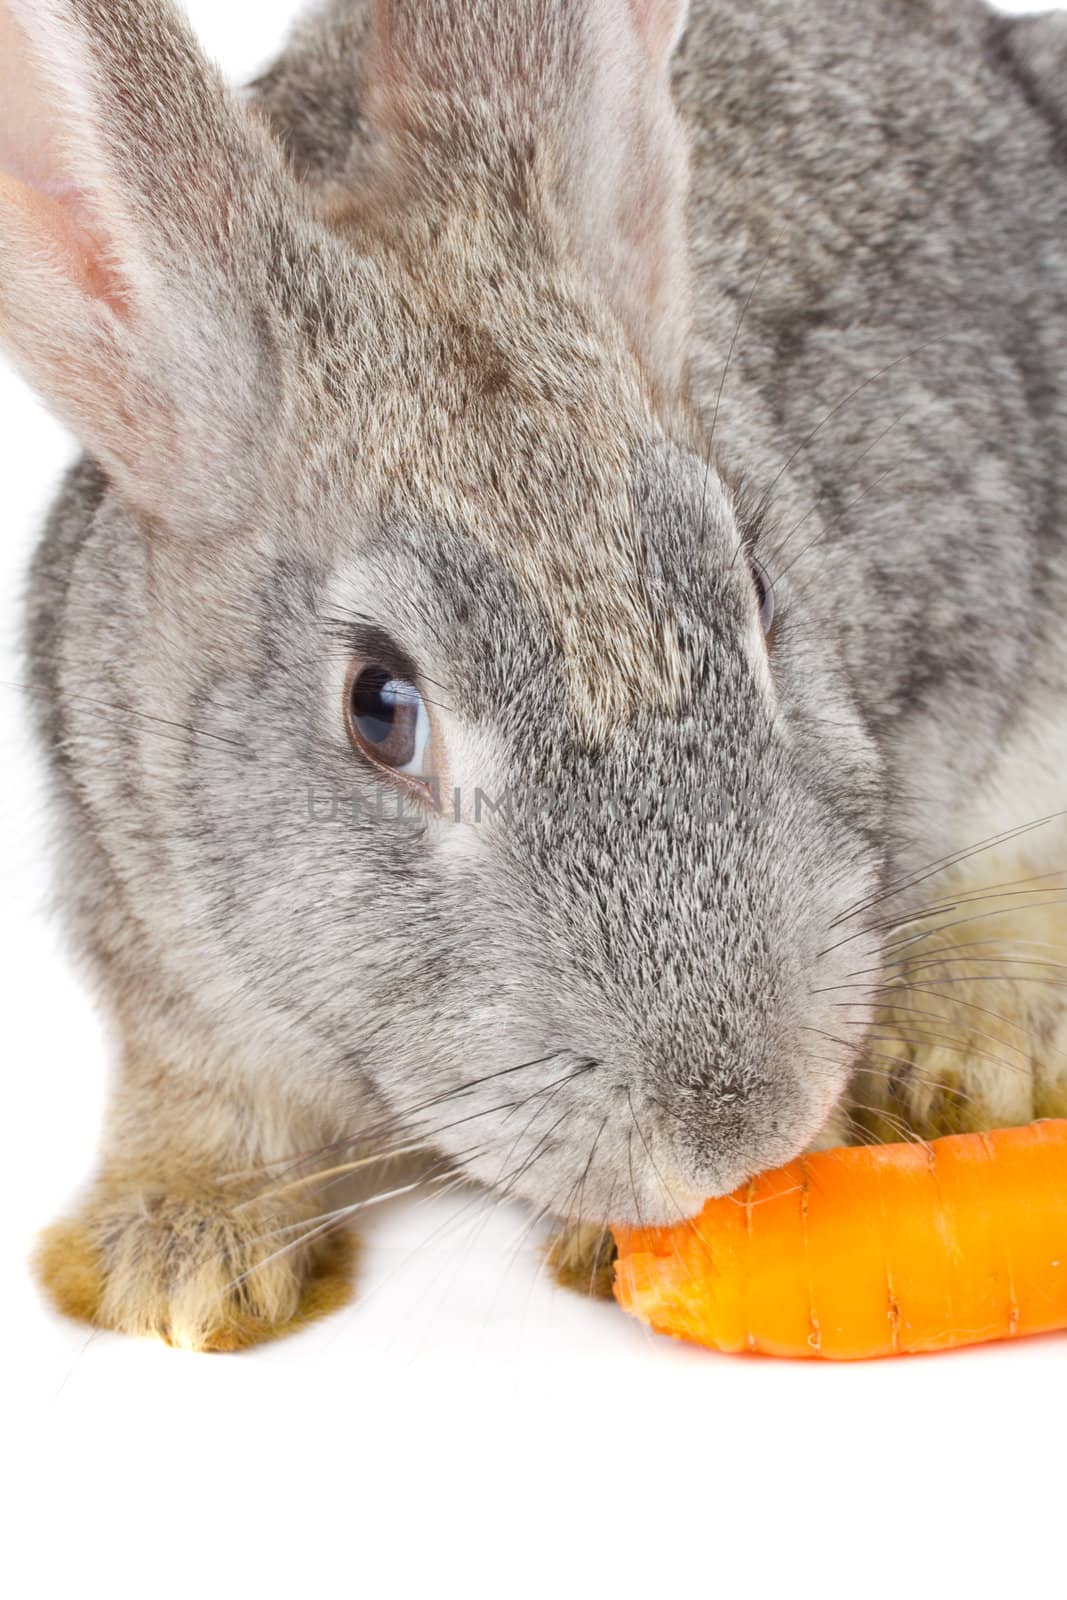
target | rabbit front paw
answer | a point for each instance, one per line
(582, 1257)
(197, 1269)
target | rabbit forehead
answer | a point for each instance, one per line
(594, 546)
(570, 538)
(643, 617)
(601, 535)
(508, 404)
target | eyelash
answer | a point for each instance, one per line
(765, 596)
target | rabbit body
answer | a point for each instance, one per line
(531, 347)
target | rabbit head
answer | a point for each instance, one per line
(466, 758)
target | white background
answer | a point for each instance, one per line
(464, 1427)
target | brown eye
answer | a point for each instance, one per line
(388, 721)
(765, 597)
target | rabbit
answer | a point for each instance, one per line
(552, 655)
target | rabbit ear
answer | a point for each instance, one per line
(578, 90)
(131, 196)
(661, 24)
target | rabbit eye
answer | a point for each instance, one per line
(389, 723)
(765, 597)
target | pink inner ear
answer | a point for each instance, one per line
(658, 23)
(38, 200)
(55, 229)
(29, 136)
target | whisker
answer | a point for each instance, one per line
(504, 1187)
(896, 987)
(132, 711)
(334, 1220)
(848, 506)
(935, 1084)
(996, 891)
(966, 922)
(585, 1173)
(1018, 1067)
(605, 1234)
(955, 1001)
(899, 1124)
(946, 1041)
(736, 333)
(953, 859)
(683, 1218)
(400, 1118)
(909, 355)
(819, 500)
(341, 1214)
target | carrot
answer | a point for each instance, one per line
(867, 1252)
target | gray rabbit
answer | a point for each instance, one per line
(554, 653)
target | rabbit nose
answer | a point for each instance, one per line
(730, 1089)
(714, 1088)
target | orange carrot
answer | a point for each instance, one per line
(867, 1252)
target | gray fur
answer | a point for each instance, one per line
(429, 389)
